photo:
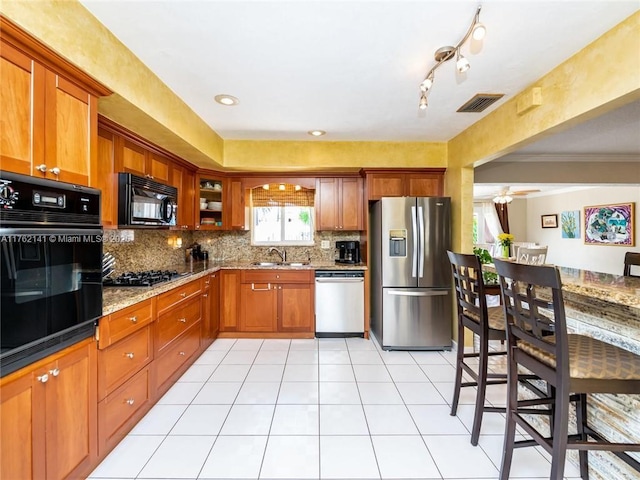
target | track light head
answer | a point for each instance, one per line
(479, 31)
(423, 101)
(462, 64)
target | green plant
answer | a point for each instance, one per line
(485, 257)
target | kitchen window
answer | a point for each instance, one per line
(282, 214)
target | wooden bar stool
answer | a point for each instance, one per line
(486, 322)
(574, 365)
(630, 259)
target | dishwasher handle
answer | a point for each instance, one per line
(340, 280)
(419, 294)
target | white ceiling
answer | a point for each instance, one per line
(351, 68)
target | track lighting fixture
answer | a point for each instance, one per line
(476, 31)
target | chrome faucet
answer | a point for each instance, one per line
(282, 253)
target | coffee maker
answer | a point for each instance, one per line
(348, 252)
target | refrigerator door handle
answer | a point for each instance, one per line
(422, 234)
(435, 293)
(414, 258)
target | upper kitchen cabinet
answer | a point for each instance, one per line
(339, 203)
(107, 180)
(210, 201)
(239, 214)
(427, 182)
(49, 111)
(138, 160)
(183, 179)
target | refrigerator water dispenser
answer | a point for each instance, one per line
(397, 243)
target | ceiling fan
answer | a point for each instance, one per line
(505, 195)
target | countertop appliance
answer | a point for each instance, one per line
(410, 273)
(348, 252)
(50, 267)
(141, 279)
(145, 203)
(339, 303)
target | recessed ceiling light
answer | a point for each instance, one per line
(316, 133)
(227, 100)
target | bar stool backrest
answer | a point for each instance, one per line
(469, 285)
(525, 290)
(631, 258)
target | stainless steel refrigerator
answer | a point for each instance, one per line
(410, 273)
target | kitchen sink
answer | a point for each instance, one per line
(280, 264)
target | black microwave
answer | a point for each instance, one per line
(145, 203)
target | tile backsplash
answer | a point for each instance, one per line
(154, 249)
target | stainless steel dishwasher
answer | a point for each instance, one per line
(339, 303)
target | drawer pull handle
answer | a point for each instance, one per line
(129, 401)
(183, 294)
(43, 378)
(253, 287)
(55, 372)
(182, 354)
(205, 295)
(207, 282)
(182, 320)
(129, 355)
(133, 319)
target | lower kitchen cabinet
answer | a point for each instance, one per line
(229, 300)
(49, 416)
(276, 301)
(210, 309)
(173, 362)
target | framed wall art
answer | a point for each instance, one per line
(609, 224)
(549, 221)
(570, 224)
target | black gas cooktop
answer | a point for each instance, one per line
(140, 279)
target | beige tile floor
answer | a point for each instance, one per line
(316, 409)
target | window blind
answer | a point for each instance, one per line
(277, 196)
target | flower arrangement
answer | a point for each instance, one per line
(505, 240)
(484, 256)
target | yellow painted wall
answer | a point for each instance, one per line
(143, 103)
(317, 155)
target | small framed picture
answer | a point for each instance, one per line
(549, 221)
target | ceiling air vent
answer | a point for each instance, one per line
(480, 102)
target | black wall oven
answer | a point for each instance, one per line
(50, 267)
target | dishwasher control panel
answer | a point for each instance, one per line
(339, 274)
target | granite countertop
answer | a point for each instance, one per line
(602, 286)
(117, 298)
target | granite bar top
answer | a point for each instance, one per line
(117, 298)
(607, 287)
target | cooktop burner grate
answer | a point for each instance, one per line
(140, 279)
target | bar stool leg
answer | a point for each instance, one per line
(459, 361)
(560, 432)
(482, 389)
(581, 420)
(510, 425)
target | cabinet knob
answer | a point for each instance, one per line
(150, 177)
(128, 354)
(55, 372)
(42, 168)
(183, 294)
(133, 319)
(129, 401)
(205, 295)
(55, 171)
(182, 354)
(182, 320)
(43, 378)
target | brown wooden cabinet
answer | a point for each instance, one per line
(229, 300)
(239, 215)
(276, 301)
(339, 204)
(140, 161)
(49, 111)
(404, 182)
(210, 201)
(49, 416)
(106, 178)
(183, 179)
(210, 309)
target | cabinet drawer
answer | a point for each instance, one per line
(277, 276)
(174, 297)
(117, 412)
(175, 356)
(118, 325)
(173, 323)
(118, 362)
